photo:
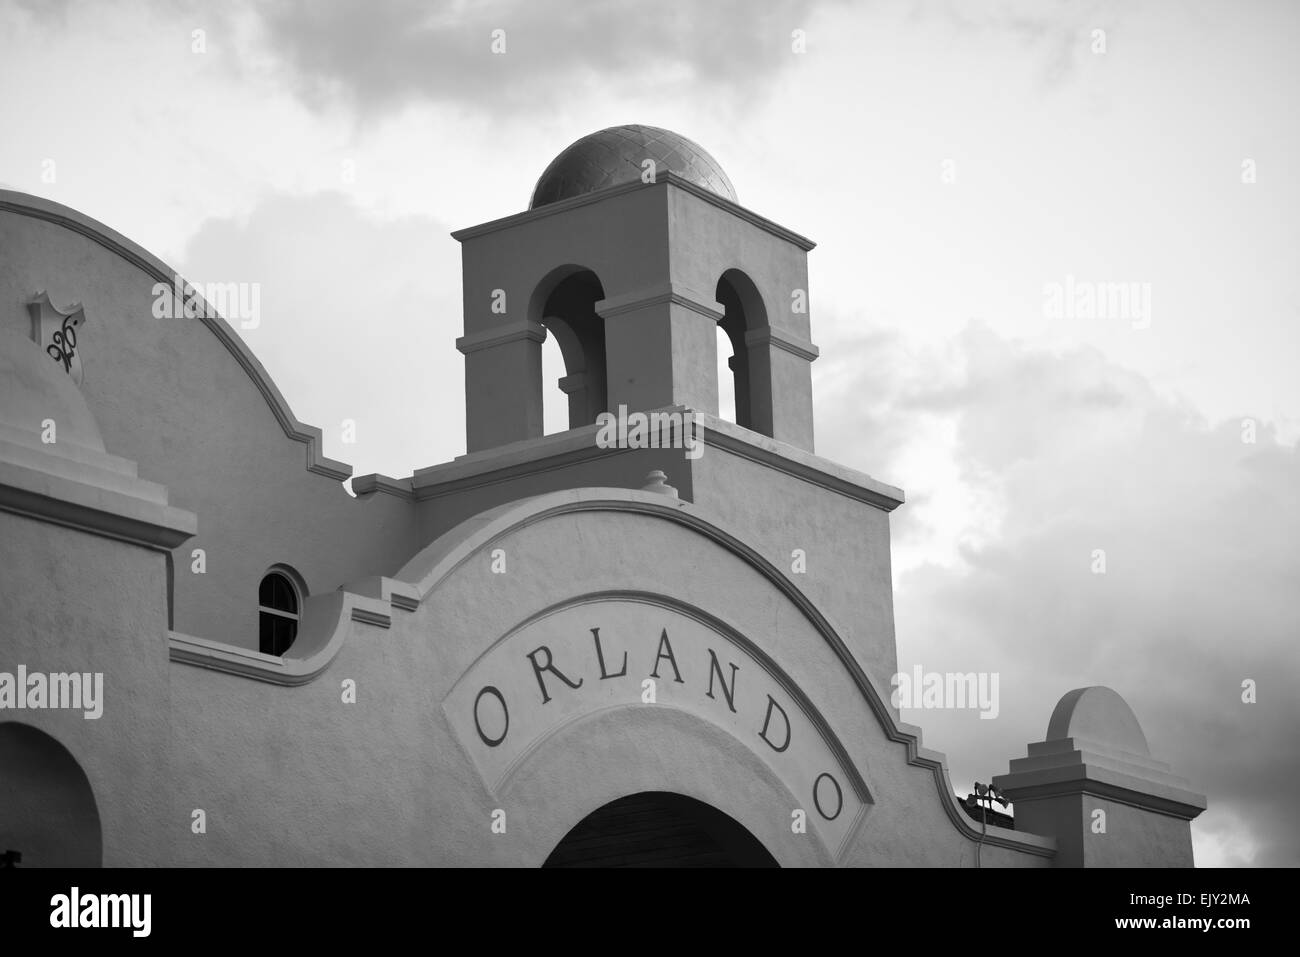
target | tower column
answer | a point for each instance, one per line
(780, 367)
(1093, 785)
(503, 384)
(661, 349)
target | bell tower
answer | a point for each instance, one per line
(633, 252)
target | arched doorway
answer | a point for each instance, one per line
(47, 809)
(659, 829)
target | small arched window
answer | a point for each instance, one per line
(279, 599)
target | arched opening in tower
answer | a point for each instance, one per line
(726, 376)
(569, 314)
(743, 374)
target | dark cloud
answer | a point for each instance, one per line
(383, 55)
(54, 10)
(1200, 532)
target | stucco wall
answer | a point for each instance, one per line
(846, 546)
(1133, 837)
(74, 602)
(708, 239)
(845, 540)
(614, 468)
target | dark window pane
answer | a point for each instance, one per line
(277, 592)
(275, 634)
(266, 633)
(290, 597)
(286, 630)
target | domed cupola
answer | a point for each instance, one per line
(618, 155)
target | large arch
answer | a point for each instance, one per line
(651, 750)
(648, 669)
(48, 812)
(659, 829)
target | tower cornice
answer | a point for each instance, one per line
(662, 179)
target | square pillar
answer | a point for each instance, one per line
(503, 384)
(780, 370)
(1093, 785)
(661, 349)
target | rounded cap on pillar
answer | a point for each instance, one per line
(616, 155)
(1100, 716)
(657, 481)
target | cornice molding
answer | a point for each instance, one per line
(89, 491)
(662, 179)
(800, 464)
(673, 293)
(1070, 767)
(384, 484)
(563, 449)
(500, 335)
(1186, 809)
(767, 336)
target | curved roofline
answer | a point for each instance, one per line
(37, 207)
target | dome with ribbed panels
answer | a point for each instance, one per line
(614, 156)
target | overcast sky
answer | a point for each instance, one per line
(951, 160)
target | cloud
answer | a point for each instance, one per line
(384, 56)
(1053, 36)
(1200, 533)
(359, 320)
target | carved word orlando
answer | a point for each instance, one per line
(712, 678)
